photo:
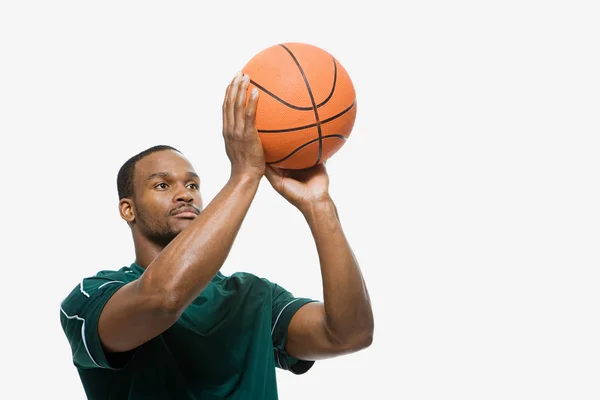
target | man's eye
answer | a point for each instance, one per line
(194, 186)
(161, 186)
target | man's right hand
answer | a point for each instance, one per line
(242, 143)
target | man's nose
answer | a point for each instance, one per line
(184, 195)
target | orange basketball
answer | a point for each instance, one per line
(306, 105)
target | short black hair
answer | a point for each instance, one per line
(125, 175)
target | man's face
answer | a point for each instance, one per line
(166, 195)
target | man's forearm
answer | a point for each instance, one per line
(346, 299)
(184, 268)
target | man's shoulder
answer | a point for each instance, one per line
(122, 272)
(90, 284)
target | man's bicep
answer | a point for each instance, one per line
(308, 337)
(130, 318)
(103, 316)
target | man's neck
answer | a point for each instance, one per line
(145, 251)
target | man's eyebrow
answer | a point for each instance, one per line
(158, 175)
(168, 174)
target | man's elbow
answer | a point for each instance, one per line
(362, 341)
(354, 342)
(364, 338)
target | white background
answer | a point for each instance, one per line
(469, 188)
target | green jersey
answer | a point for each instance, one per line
(226, 344)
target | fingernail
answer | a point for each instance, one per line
(245, 78)
(254, 93)
(238, 75)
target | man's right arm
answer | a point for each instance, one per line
(146, 307)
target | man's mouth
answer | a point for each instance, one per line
(186, 212)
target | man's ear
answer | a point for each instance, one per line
(127, 210)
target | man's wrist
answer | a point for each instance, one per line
(322, 207)
(245, 178)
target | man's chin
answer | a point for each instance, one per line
(174, 229)
(178, 225)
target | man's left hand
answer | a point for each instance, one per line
(303, 187)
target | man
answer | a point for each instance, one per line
(171, 326)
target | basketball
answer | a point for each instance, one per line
(306, 107)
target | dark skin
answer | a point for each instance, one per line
(182, 248)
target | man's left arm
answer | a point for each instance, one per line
(343, 323)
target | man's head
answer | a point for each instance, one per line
(159, 194)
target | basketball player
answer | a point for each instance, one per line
(170, 325)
